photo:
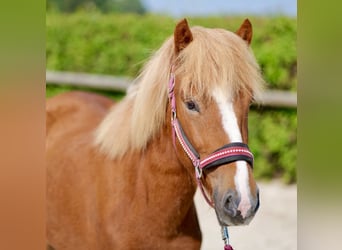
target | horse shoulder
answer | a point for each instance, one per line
(71, 119)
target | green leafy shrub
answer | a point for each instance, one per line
(276, 53)
(119, 44)
(107, 44)
(273, 140)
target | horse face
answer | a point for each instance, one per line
(210, 123)
(214, 119)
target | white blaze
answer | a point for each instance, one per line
(231, 127)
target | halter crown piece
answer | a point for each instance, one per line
(229, 153)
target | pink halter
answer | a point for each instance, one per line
(229, 153)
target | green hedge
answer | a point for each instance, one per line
(273, 141)
(119, 44)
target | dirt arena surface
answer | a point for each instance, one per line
(274, 227)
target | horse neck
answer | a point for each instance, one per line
(162, 185)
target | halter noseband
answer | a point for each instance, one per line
(236, 151)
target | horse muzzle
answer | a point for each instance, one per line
(232, 210)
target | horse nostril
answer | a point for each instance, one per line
(228, 199)
(230, 204)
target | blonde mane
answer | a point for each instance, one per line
(215, 58)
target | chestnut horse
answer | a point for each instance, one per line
(119, 176)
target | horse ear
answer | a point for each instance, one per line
(182, 35)
(245, 31)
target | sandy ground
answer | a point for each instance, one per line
(274, 227)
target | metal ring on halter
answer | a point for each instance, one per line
(173, 114)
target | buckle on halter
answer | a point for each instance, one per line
(173, 114)
(198, 170)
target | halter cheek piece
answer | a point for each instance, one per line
(236, 151)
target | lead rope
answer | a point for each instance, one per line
(225, 238)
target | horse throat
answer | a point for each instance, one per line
(170, 186)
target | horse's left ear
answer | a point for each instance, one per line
(245, 31)
(182, 35)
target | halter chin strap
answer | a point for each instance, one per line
(236, 151)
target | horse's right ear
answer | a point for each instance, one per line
(182, 35)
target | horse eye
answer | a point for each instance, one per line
(191, 105)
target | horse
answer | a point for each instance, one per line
(122, 175)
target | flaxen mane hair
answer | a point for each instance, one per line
(216, 58)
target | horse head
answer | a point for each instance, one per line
(214, 77)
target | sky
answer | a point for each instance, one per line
(180, 8)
